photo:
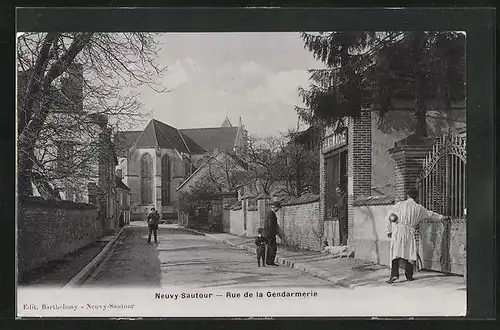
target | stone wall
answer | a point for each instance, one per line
(300, 223)
(253, 222)
(226, 220)
(370, 240)
(236, 221)
(48, 230)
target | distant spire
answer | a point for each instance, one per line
(226, 123)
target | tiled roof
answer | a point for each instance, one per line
(374, 200)
(305, 199)
(158, 134)
(193, 140)
(194, 147)
(222, 138)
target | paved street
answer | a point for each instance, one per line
(183, 258)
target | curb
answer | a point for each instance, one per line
(79, 278)
(316, 272)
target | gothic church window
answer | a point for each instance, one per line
(146, 179)
(165, 180)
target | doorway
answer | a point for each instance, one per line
(336, 209)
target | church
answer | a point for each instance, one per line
(155, 161)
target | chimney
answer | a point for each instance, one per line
(119, 173)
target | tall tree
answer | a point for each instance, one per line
(300, 162)
(425, 69)
(381, 69)
(335, 92)
(110, 63)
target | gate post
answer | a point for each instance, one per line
(263, 207)
(359, 165)
(408, 154)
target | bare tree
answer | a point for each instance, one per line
(284, 164)
(72, 88)
(225, 171)
(301, 164)
(264, 161)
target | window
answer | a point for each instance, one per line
(146, 179)
(165, 180)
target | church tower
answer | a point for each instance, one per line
(226, 123)
(240, 144)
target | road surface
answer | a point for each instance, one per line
(183, 258)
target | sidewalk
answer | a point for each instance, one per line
(60, 272)
(347, 272)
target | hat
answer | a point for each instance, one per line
(277, 204)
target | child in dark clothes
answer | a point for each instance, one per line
(261, 242)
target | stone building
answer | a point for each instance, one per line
(360, 159)
(74, 147)
(156, 160)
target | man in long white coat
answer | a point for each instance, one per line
(401, 230)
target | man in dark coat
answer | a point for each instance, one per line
(270, 231)
(153, 221)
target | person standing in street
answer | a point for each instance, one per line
(153, 221)
(270, 231)
(404, 217)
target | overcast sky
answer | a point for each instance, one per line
(252, 75)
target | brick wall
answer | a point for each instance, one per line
(48, 230)
(301, 223)
(408, 155)
(359, 163)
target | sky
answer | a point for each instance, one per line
(254, 76)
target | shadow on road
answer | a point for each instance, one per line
(132, 263)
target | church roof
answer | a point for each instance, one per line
(191, 140)
(222, 138)
(158, 134)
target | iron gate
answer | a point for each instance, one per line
(442, 187)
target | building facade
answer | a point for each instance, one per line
(74, 156)
(359, 160)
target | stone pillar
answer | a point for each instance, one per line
(408, 155)
(263, 207)
(359, 168)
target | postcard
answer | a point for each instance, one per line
(256, 174)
